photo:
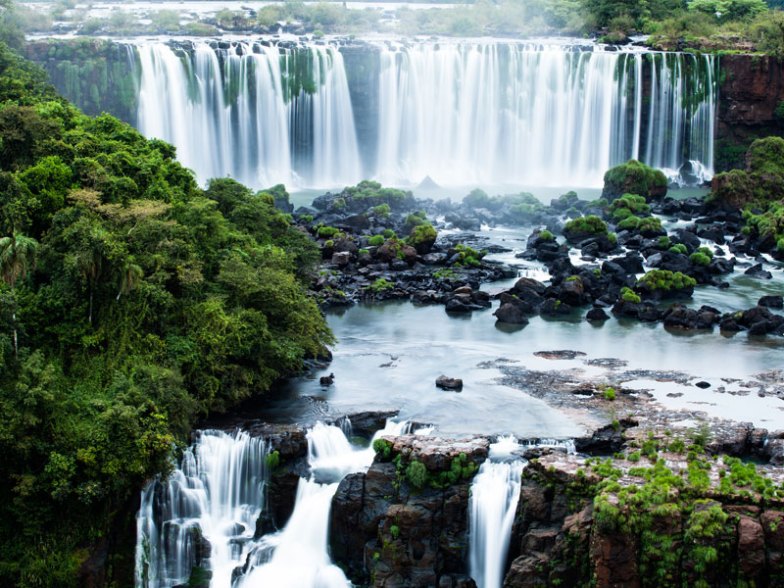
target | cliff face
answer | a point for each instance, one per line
(751, 105)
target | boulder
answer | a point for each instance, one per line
(447, 383)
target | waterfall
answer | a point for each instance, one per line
(298, 556)
(494, 494)
(208, 507)
(260, 114)
(463, 113)
(204, 514)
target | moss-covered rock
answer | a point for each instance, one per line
(659, 283)
(634, 177)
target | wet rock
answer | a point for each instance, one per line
(559, 354)
(511, 313)
(597, 315)
(757, 271)
(605, 441)
(771, 302)
(703, 384)
(447, 383)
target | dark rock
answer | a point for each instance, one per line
(327, 380)
(606, 440)
(703, 384)
(597, 314)
(756, 271)
(559, 354)
(511, 313)
(771, 302)
(446, 383)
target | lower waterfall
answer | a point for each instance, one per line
(494, 494)
(204, 516)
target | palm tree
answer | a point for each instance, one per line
(17, 257)
(130, 276)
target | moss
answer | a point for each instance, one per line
(272, 460)
(381, 285)
(666, 281)
(383, 449)
(327, 232)
(585, 225)
(545, 235)
(609, 394)
(678, 248)
(376, 240)
(382, 210)
(628, 204)
(422, 237)
(634, 177)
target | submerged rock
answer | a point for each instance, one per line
(447, 383)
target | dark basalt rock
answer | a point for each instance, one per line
(511, 313)
(447, 383)
(757, 271)
(606, 440)
(597, 315)
(771, 302)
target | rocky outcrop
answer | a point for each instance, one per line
(404, 526)
(751, 90)
(563, 537)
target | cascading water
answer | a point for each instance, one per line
(461, 113)
(298, 556)
(210, 503)
(258, 113)
(495, 492)
(205, 514)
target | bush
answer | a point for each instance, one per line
(609, 394)
(665, 281)
(376, 240)
(634, 177)
(327, 232)
(416, 474)
(629, 295)
(422, 237)
(585, 226)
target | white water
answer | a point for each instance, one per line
(230, 112)
(298, 556)
(218, 492)
(461, 113)
(494, 495)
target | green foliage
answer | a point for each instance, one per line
(609, 393)
(634, 177)
(327, 232)
(703, 256)
(376, 240)
(382, 210)
(545, 235)
(585, 225)
(666, 281)
(727, 10)
(678, 248)
(383, 449)
(422, 236)
(141, 303)
(627, 205)
(468, 256)
(381, 285)
(416, 474)
(272, 460)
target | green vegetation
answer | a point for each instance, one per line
(634, 177)
(629, 295)
(545, 235)
(647, 226)
(665, 281)
(703, 256)
(133, 302)
(609, 394)
(628, 205)
(376, 240)
(759, 191)
(678, 248)
(468, 256)
(585, 226)
(381, 285)
(422, 237)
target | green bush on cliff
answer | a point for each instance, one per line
(131, 303)
(634, 177)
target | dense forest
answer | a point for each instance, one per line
(132, 302)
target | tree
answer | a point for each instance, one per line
(17, 257)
